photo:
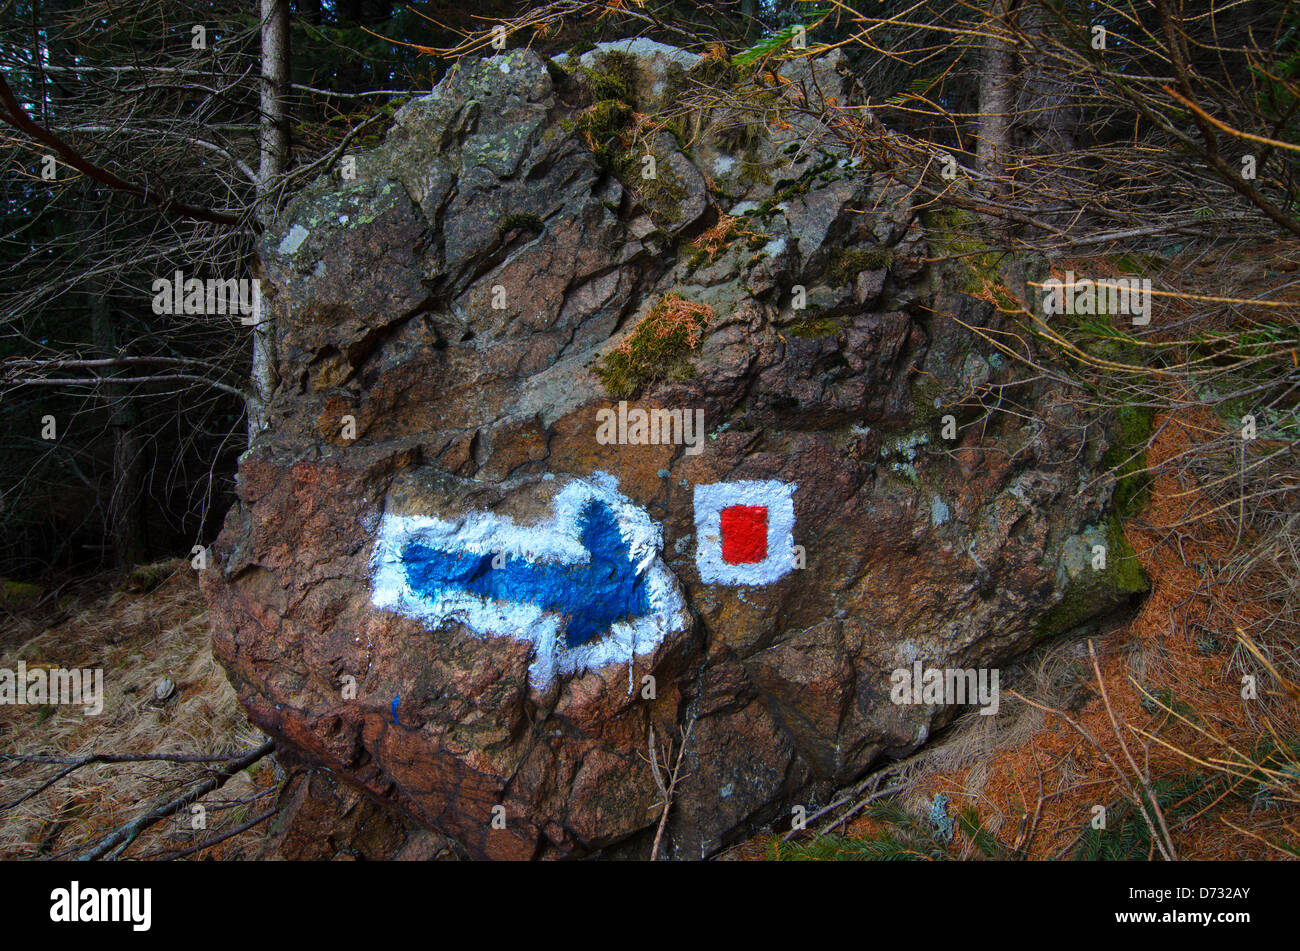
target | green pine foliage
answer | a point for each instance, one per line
(903, 838)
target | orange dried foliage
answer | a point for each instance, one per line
(673, 316)
(713, 241)
(1061, 769)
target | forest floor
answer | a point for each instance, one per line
(150, 629)
(1172, 702)
(1148, 709)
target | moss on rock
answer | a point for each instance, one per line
(15, 594)
(845, 265)
(715, 69)
(612, 77)
(1089, 589)
(524, 221)
(815, 325)
(601, 125)
(924, 394)
(662, 195)
(1128, 459)
(656, 348)
(955, 233)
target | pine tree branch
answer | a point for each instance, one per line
(16, 116)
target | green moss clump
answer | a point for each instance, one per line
(604, 126)
(925, 390)
(1136, 262)
(613, 77)
(786, 189)
(144, 578)
(814, 326)
(1099, 337)
(715, 71)
(752, 172)
(1077, 607)
(677, 128)
(743, 134)
(601, 126)
(656, 348)
(16, 593)
(524, 221)
(694, 257)
(1132, 484)
(662, 195)
(559, 76)
(954, 232)
(844, 265)
(612, 85)
(1121, 578)
(1123, 560)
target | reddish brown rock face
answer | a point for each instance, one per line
(432, 476)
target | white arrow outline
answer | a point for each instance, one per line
(557, 540)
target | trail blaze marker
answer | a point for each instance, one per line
(744, 532)
(586, 588)
(591, 595)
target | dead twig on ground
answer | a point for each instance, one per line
(75, 763)
(121, 838)
(1168, 850)
(669, 786)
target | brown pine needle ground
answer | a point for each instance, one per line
(1159, 651)
(138, 639)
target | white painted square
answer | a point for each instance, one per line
(710, 500)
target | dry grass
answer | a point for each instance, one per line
(716, 239)
(138, 639)
(1058, 775)
(674, 318)
(657, 347)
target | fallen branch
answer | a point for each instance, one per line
(666, 788)
(120, 380)
(872, 780)
(1169, 850)
(229, 834)
(1132, 793)
(121, 838)
(74, 763)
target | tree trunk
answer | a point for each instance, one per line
(125, 513)
(1047, 124)
(749, 23)
(997, 94)
(1048, 117)
(273, 162)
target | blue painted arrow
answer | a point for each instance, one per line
(591, 596)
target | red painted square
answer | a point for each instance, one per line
(744, 534)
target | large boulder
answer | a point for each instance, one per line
(460, 575)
